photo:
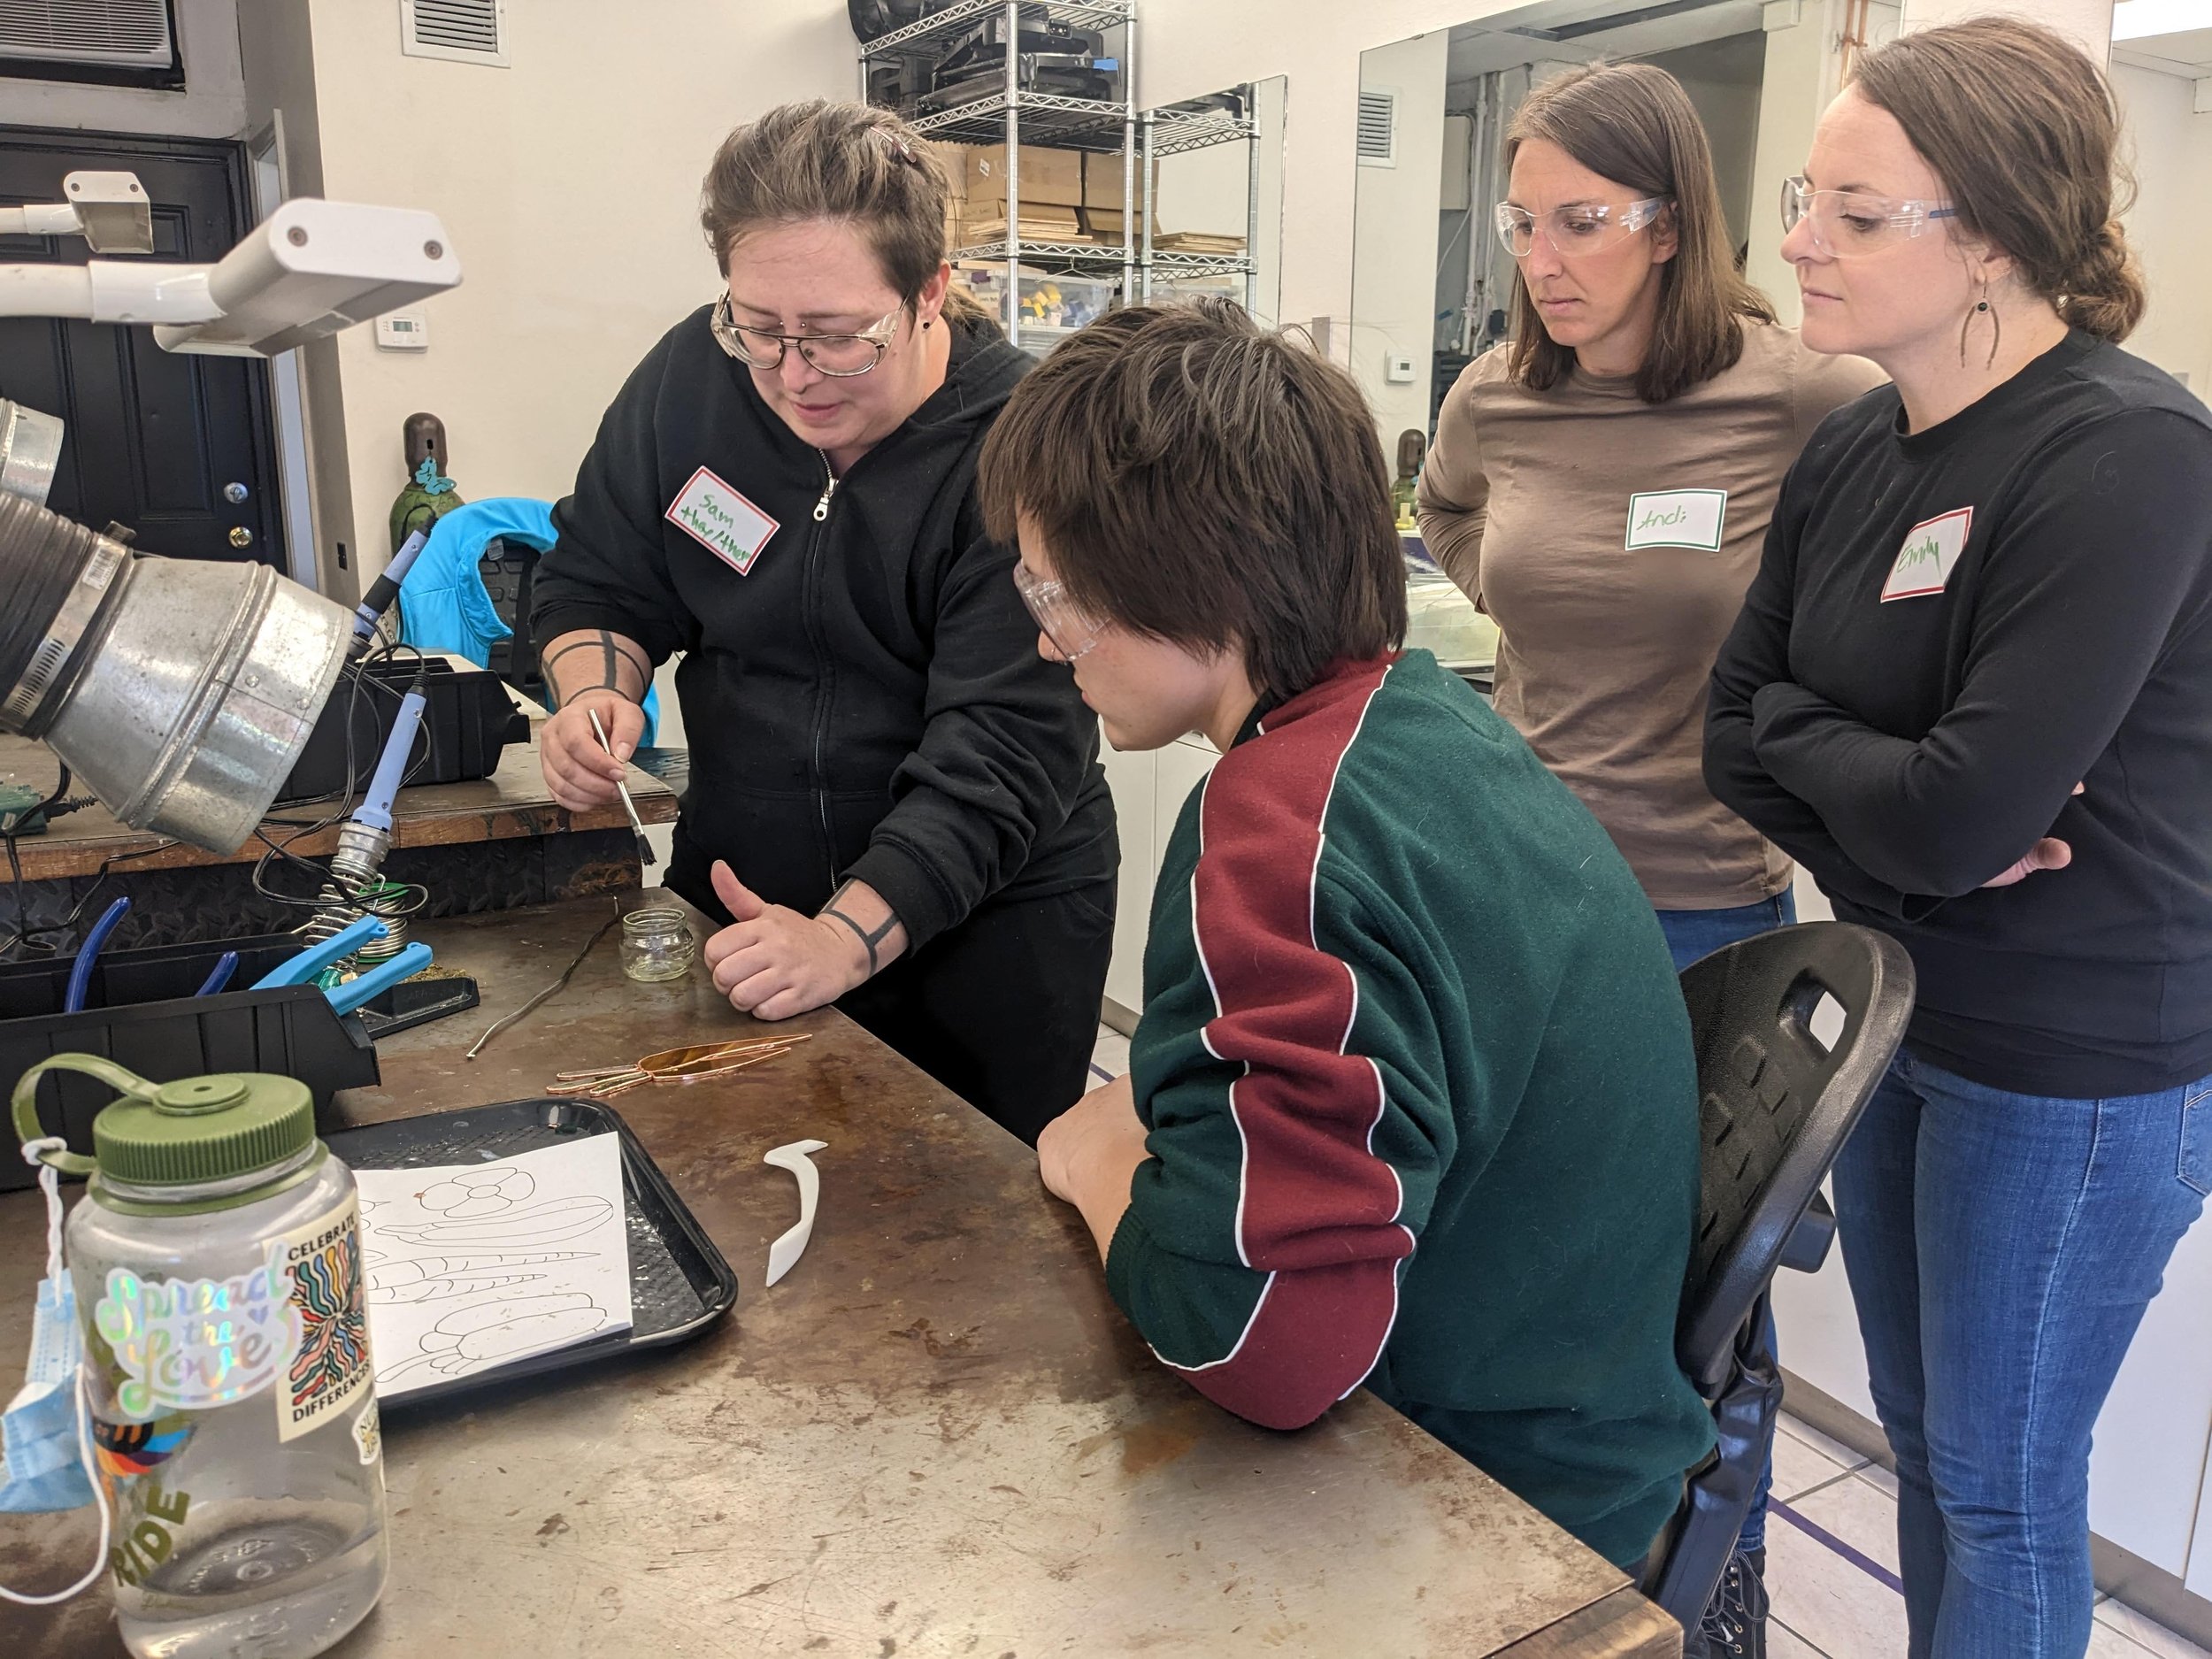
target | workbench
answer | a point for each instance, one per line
(488, 844)
(937, 1435)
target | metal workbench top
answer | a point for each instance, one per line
(936, 1436)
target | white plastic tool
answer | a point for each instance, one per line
(783, 1254)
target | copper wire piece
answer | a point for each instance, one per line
(689, 1065)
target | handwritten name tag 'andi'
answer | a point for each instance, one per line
(1931, 553)
(1678, 518)
(722, 521)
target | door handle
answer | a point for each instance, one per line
(240, 537)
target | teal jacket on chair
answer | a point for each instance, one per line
(442, 604)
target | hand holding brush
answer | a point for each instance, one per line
(646, 855)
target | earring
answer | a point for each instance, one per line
(1980, 308)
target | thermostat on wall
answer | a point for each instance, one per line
(403, 331)
(1398, 369)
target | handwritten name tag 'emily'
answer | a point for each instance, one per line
(1930, 552)
(1678, 518)
(722, 521)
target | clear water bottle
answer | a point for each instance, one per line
(216, 1258)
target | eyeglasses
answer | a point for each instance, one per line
(1586, 227)
(1848, 223)
(838, 354)
(1072, 630)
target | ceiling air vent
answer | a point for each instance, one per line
(112, 33)
(1378, 129)
(460, 31)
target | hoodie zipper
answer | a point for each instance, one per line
(824, 668)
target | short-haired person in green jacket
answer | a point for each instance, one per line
(1412, 1102)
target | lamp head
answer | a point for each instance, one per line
(313, 267)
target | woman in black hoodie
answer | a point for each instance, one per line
(897, 806)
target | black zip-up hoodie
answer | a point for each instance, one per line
(867, 700)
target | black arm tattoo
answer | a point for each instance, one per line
(868, 941)
(612, 655)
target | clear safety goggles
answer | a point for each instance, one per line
(1847, 224)
(1585, 227)
(842, 355)
(1072, 629)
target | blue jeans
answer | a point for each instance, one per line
(2002, 1249)
(1695, 934)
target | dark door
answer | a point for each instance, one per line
(157, 441)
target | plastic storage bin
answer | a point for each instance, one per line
(467, 719)
(141, 1014)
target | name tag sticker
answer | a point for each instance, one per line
(722, 521)
(1678, 518)
(1931, 553)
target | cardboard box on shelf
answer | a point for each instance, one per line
(1197, 242)
(1053, 177)
(954, 159)
(1104, 224)
(1039, 222)
(1101, 183)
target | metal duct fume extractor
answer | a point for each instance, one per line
(30, 449)
(181, 692)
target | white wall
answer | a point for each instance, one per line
(2088, 21)
(213, 103)
(1803, 72)
(2171, 222)
(570, 186)
(1394, 271)
(1723, 80)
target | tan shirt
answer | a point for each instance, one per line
(1612, 539)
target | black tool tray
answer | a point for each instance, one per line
(139, 1012)
(680, 1284)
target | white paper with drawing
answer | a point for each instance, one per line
(471, 1265)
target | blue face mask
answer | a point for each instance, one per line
(45, 1433)
(38, 1432)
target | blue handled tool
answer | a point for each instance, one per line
(347, 997)
(88, 953)
(303, 968)
(226, 965)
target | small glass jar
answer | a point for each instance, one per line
(657, 945)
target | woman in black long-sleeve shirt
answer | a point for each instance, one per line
(1972, 691)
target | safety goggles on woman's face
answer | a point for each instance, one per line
(841, 355)
(1072, 631)
(1586, 227)
(1848, 223)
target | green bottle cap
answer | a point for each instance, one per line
(204, 1129)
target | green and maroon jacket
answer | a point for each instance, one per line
(1422, 1104)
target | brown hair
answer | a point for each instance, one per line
(1633, 124)
(839, 161)
(2024, 134)
(1203, 480)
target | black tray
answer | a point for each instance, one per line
(680, 1285)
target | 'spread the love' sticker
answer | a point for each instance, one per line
(722, 521)
(193, 1344)
(1931, 553)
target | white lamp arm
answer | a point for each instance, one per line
(109, 291)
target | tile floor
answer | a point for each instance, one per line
(1831, 1540)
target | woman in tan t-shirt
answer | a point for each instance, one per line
(1601, 486)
